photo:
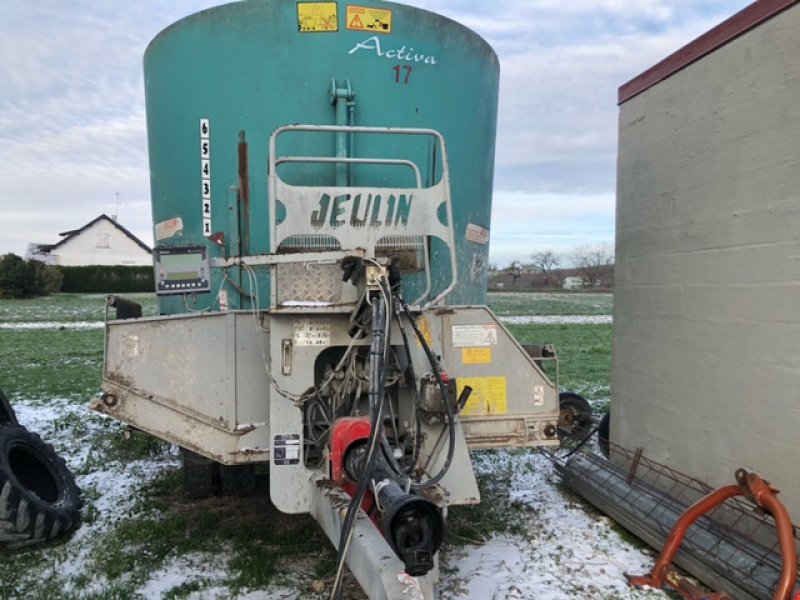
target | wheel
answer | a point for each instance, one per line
(200, 475)
(38, 496)
(7, 414)
(603, 430)
(575, 414)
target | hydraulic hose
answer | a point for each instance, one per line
(412, 382)
(451, 418)
(377, 380)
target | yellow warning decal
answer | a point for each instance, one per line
(425, 329)
(364, 18)
(317, 16)
(488, 396)
(476, 356)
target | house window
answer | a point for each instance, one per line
(103, 240)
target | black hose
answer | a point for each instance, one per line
(451, 417)
(377, 380)
(411, 381)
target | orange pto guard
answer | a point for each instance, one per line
(758, 491)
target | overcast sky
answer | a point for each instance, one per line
(72, 123)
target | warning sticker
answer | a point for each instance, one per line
(363, 18)
(166, 229)
(317, 16)
(474, 335)
(425, 329)
(312, 332)
(476, 356)
(477, 234)
(286, 449)
(488, 396)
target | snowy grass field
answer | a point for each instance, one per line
(139, 537)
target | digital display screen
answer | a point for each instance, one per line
(183, 275)
(173, 262)
(182, 269)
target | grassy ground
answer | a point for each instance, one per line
(130, 530)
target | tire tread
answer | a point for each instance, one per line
(25, 518)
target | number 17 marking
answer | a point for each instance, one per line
(397, 69)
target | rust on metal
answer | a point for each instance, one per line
(634, 465)
(244, 193)
(763, 495)
(733, 548)
(120, 379)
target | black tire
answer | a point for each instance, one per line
(575, 414)
(200, 475)
(7, 414)
(38, 496)
(603, 432)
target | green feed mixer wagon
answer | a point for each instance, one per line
(321, 180)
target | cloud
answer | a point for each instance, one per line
(524, 223)
(72, 122)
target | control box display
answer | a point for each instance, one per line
(182, 269)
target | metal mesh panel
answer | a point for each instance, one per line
(736, 540)
(308, 243)
(406, 250)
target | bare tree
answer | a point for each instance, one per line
(515, 271)
(595, 264)
(544, 262)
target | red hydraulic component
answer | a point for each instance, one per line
(345, 433)
(757, 490)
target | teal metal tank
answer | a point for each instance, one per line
(219, 82)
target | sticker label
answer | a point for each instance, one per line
(130, 347)
(312, 332)
(286, 449)
(205, 174)
(317, 16)
(477, 234)
(425, 329)
(474, 335)
(363, 18)
(476, 356)
(488, 396)
(166, 229)
(538, 395)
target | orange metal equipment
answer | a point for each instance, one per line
(758, 491)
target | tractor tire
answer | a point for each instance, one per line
(200, 475)
(575, 414)
(603, 430)
(7, 414)
(39, 499)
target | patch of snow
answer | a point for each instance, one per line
(184, 569)
(565, 552)
(53, 325)
(110, 487)
(558, 320)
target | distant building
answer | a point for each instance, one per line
(572, 282)
(102, 241)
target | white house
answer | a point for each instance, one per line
(572, 282)
(102, 241)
